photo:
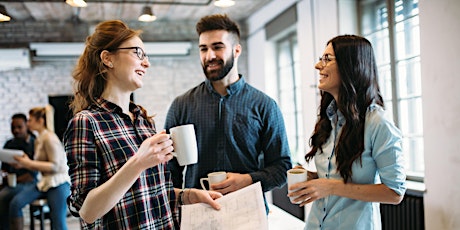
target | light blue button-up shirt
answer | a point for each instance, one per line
(382, 162)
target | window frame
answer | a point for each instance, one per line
(372, 15)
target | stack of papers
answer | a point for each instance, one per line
(240, 210)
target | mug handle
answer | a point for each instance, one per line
(201, 182)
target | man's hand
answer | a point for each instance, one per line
(234, 181)
(192, 196)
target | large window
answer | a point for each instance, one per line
(289, 93)
(392, 26)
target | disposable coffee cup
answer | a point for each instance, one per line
(213, 178)
(295, 176)
(11, 179)
(184, 143)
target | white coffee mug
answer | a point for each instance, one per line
(11, 179)
(295, 176)
(184, 143)
(213, 178)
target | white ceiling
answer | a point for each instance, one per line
(126, 10)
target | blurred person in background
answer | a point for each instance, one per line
(23, 139)
(50, 160)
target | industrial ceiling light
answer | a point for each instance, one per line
(224, 3)
(4, 16)
(76, 3)
(147, 15)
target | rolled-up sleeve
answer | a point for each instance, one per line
(387, 152)
(82, 159)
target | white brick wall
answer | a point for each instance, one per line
(166, 78)
(21, 90)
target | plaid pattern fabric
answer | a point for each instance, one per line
(98, 142)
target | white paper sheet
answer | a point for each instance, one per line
(7, 155)
(240, 210)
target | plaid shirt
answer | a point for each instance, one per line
(98, 142)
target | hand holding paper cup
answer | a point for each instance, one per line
(184, 143)
(295, 176)
(213, 178)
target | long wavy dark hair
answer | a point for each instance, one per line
(358, 89)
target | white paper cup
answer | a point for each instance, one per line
(295, 176)
(184, 143)
(11, 179)
(213, 178)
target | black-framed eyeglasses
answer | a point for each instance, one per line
(326, 59)
(139, 52)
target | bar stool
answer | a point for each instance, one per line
(39, 210)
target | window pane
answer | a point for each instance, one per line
(285, 79)
(374, 17)
(385, 82)
(381, 45)
(289, 93)
(284, 55)
(405, 9)
(413, 153)
(409, 78)
(408, 39)
(412, 131)
(411, 121)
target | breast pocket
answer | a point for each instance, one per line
(246, 128)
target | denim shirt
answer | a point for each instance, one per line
(241, 132)
(382, 162)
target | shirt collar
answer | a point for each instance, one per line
(114, 108)
(232, 89)
(334, 114)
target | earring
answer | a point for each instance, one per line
(110, 65)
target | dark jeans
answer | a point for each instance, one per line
(56, 201)
(6, 195)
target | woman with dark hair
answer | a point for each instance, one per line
(356, 149)
(117, 159)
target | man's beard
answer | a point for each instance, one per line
(216, 75)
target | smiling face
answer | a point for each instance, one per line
(329, 80)
(217, 53)
(126, 70)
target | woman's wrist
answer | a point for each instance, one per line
(187, 196)
(184, 196)
(181, 197)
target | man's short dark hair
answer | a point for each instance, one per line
(218, 22)
(20, 116)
